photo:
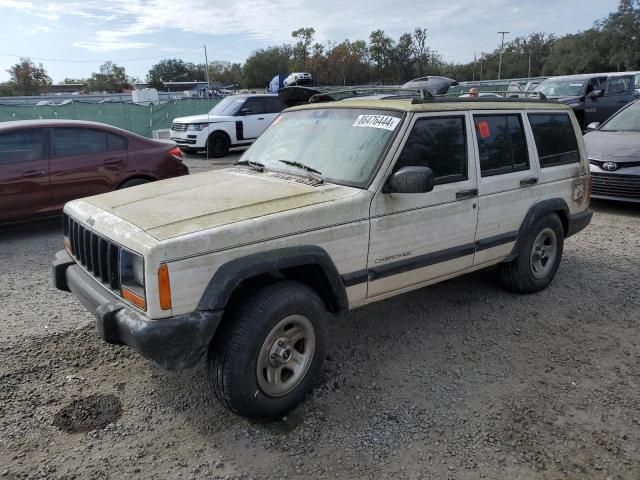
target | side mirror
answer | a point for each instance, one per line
(410, 180)
(593, 126)
(596, 94)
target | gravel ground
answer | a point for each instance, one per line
(460, 380)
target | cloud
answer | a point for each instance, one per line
(456, 27)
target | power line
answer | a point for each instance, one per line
(43, 59)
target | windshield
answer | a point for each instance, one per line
(561, 88)
(228, 106)
(628, 120)
(343, 144)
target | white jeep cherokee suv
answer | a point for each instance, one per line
(335, 206)
(235, 121)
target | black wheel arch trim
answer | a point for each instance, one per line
(230, 275)
(536, 211)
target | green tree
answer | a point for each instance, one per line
(262, 65)
(27, 78)
(304, 37)
(110, 78)
(404, 59)
(381, 52)
(173, 70)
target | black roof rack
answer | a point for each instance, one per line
(541, 98)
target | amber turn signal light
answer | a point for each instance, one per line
(164, 287)
(134, 298)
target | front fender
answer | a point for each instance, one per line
(230, 275)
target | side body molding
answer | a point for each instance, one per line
(230, 275)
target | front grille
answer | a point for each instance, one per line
(611, 185)
(179, 127)
(99, 256)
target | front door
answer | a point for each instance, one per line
(24, 174)
(507, 182)
(256, 117)
(419, 237)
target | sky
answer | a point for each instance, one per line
(72, 38)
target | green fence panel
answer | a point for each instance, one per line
(139, 119)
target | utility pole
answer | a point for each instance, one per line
(481, 58)
(529, 64)
(474, 66)
(501, 49)
(206, 63)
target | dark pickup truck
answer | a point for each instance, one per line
(594, 97)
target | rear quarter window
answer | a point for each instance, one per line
(555, 139)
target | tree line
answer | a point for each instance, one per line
(611, 44)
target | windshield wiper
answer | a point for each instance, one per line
(301, 165)
(257, 166)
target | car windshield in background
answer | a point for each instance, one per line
(343, 144)
(228, 106)
(561, 88)
(628, 120)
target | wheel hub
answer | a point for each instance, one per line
(280, 353)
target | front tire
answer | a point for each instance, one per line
(133, 182)
(272, 348)
(538, 259)
(218, 145)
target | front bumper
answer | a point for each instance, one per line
(173, 343)
(190, 139)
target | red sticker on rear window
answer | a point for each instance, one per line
(485, 132)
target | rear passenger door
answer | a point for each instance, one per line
(419, 237)
(558, 153)
(507, 182)
(618, 92)
(85, 162)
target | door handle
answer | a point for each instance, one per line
(465, 194)
(527, 182)
(260, 118)
(113, 161)
(32, 173)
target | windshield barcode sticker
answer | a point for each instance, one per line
(377, 121)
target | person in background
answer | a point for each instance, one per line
(473, 92)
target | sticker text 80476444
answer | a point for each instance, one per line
(377, 121)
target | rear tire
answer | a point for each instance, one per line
(538, 259)
(270, 350)
(133, 182)
(218, 145)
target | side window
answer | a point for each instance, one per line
(637, 82)
(78, 141)
(255, 105)
(617, 85)
(272, 105)
(440, 144)
(116, 143)
(22, 146)
(555, 139)
(501, 144)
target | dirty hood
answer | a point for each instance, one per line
(193, 203)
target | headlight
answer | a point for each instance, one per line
(132, 278)
(197, 126)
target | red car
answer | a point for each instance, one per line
(46, 163)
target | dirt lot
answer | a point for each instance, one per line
(461, 380)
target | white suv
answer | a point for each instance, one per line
(335, 206)
(235, 121)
